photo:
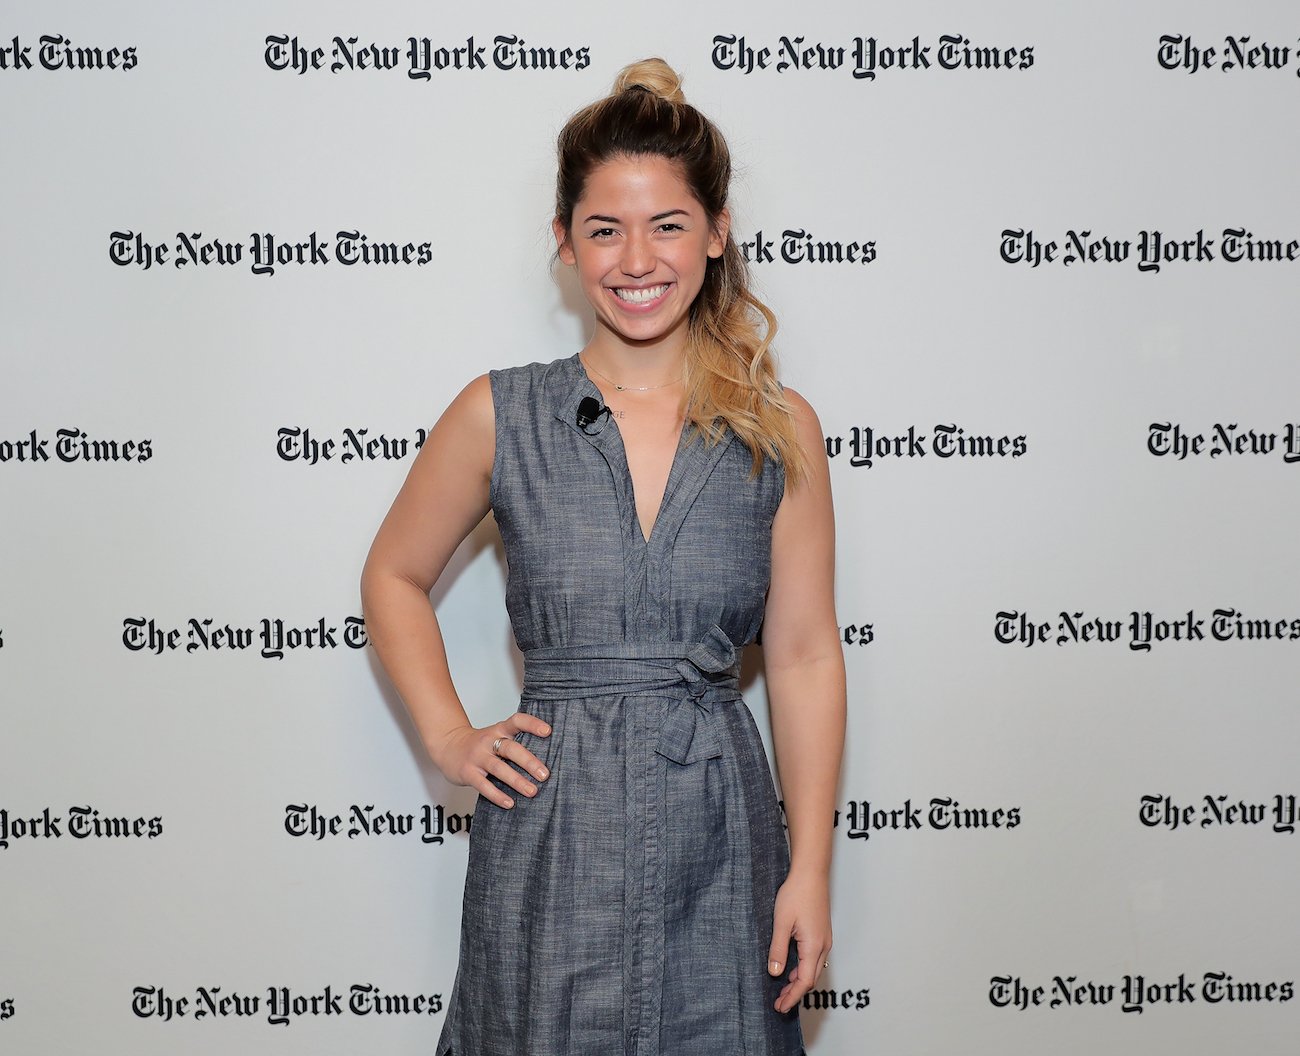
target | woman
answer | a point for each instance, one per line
(659, 494)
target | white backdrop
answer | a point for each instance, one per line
(167, 870)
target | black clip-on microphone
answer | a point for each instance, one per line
(589, 412)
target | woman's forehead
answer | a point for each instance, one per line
(639, 184)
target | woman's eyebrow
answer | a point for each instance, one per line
(616, 220)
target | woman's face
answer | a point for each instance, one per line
(640, 242)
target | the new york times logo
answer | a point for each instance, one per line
(273, 638)
(1177, 52)
(81, 823)
(1148, 252)
(1135, 993)
(1143, 629)
(265, 251)
(1279, 814)
(57, 52)
(865, 57)
(432, 824)
(798, 246)
(1172, 439)
(279, 1005)
(941, 813)
(422, 57)
(864, 445)
(74, 445)
(294, 444)
(862, 818)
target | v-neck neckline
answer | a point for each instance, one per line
(673, 466)
(669, 481)
(648, 557)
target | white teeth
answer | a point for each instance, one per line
(641, 296)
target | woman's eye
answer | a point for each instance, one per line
(671, 227)
(601, 232)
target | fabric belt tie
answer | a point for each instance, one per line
(701, 673)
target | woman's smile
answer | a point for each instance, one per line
(641, 299)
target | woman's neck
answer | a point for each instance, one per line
(630, 366)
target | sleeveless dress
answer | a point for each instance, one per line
(627, 907)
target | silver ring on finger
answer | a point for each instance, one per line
(496, 746)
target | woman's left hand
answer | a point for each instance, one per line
(802, 911)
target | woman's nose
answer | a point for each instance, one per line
(638, 256)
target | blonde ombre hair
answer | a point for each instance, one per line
(730, 373)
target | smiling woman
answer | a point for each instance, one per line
(660, 497)
(645, 139)
(641, 270)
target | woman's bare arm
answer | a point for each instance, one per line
(804, 667)
(444, 496)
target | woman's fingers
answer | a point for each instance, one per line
(478, 761)
(511, 751)
(516, 752)
(782, 926)
(496, 767)
(490, 791)
(512, 777)
(802, 977)
(529, 723)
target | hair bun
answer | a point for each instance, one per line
(652, 75)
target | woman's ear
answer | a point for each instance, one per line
(718, 234)
(563, 246)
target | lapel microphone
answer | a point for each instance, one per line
(589, 412)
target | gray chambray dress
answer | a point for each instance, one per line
(627, 907)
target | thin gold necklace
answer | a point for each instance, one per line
(627, 388)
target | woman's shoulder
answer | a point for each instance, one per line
(529, 385)
(805, 417)
(471, 413)
(808, 434)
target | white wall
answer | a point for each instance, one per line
(1075, 366)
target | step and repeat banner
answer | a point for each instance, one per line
(1036, 269)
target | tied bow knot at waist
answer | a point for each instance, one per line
(697, 674)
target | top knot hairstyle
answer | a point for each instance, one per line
(730, 373)
(654, 76)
